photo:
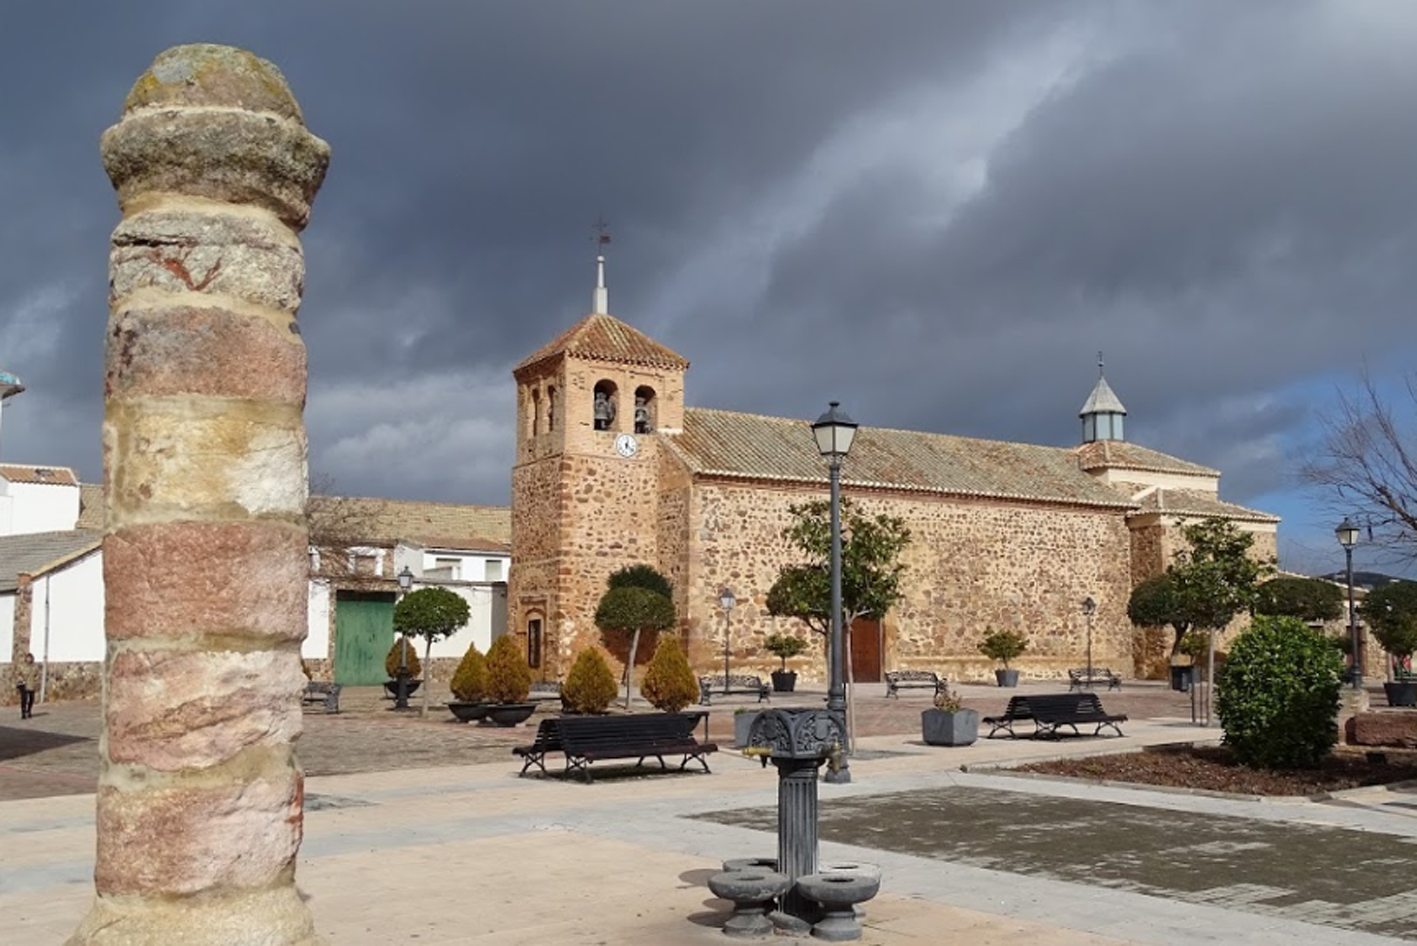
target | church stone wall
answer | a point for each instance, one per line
(971, 564)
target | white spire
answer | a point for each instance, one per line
(601, 303)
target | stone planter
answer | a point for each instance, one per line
(393, 687)
(784, 681)
(742, 723)
(1006, 678)
(941, 728)
(1401, 693)
(509, 714)
(468, 712)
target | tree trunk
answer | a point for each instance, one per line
(427, 675)
(1209, 673)
(630, 667)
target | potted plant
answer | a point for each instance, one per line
(469, 686)
(508, 683)
(784, 646)
(669, 683)
(1391, 613)
(949, 723)
(402, 659)
(1003, 646)
(590, 686)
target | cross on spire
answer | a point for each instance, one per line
(1101, 365)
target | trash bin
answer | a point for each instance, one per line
(1181, 678)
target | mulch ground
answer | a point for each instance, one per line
(1215, 769)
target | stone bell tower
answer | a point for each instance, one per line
(587, 479)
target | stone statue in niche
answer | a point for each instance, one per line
(641, 416)
(604, 411)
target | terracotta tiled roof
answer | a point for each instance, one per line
(359, 519)
(726, 444)
(1185, 502)
(605, 338)
(39, 552)
(1118, 454)
(472, 544)
(46, 475)
(91, 506)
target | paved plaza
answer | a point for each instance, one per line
(420, 831)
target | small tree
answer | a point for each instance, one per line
(1278, 701)
(508, 676)
(669, 683)
(635, 602)
(1156, 603)
(470, 680)
(1308, 599)
(431, 613)
(1003, 646)
(784, 646)
(1391, 611)
(590, 686)
(403, 654)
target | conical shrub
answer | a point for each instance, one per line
(590, 686)
(470, 679)
(411, 663)
(508, 676)
(669, 683)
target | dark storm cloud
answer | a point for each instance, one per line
(936, 213)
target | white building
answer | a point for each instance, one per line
(37, 499)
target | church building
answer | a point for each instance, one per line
(613, 469)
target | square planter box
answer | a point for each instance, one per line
(742, 722)
(940, 728)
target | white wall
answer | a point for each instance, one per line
(41, 507)
(75, 611)
(317, 638)
(7, 631)
(487, 620)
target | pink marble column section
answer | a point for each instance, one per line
(200, 798)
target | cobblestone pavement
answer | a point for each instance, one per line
(56, 752)
(1255, 866)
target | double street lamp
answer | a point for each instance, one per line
(726, 601)
(1347, 534)
(405, 578)
(834, 432)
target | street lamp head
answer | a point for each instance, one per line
(405, 579)
(834, 432)
(1347, 533)
(1089, 607)
(726, 601)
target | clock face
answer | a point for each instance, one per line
(626, 445)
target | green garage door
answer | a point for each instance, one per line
(364, 632)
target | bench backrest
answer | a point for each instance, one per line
(1066, 704)
(587, 733)
(929, 675)
(743, 680)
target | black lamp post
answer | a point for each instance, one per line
(1089, 608)
(726, 601)
(834, 432)
(405, 582)
(1347, 534)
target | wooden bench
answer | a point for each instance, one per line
(897, 680)
(733, 683)
(586, 739)
(318, 691)
(1050, 711)
(1080, 678)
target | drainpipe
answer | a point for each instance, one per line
(44, 666)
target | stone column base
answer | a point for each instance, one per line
(275, 917)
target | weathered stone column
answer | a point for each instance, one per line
(200, 798)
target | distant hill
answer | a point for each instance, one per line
(1365, 580)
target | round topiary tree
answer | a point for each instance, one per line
(470, 679)
(669, 683)
(403, 653)
(508, 676)
(1308, 599)
(632, 610)
(590, 686)
(1278, 700)
(431, 613)
(1391, 611)
(1003, 646)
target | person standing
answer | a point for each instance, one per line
(27, 682)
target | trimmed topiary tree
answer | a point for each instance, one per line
(590, 687)
(1391, 611)
(470, 680)
(1308, 599)
(412, 666)
(638, 599)
(508, 676)
(431, 613)
(1003, 646)
(669, 683)
(1278, 700)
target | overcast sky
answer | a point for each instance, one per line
(935, 212)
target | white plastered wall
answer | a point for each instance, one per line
(70, 601)
(317, 636)
(7, 627)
